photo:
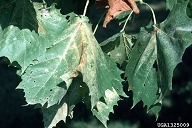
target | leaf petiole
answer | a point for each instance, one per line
(99, 21)
(85, 9)
(153, 13)
(126, 21)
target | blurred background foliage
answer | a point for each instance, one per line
(176, 105)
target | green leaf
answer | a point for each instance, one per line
(94, 62)
(173, 38)
(73, 50)
(118, 47)
(22, 46)
(141, 75)
(160, 48)
(44, 80)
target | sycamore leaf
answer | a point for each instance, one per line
(175, 36)
(116, 7)
(93, 62)
(71, 51)
(48, 79)
(118, 47)
(141, 75)
(29, 45)
(161, 48)
(26, 43)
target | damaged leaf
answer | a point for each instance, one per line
(116, 7)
